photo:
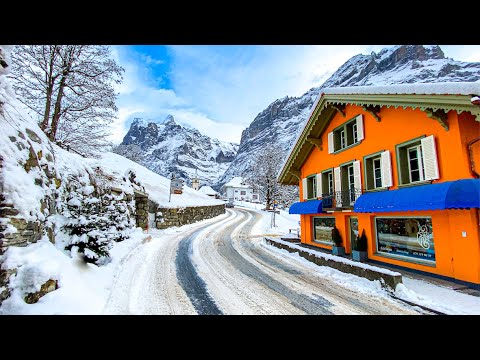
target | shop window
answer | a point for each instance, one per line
(410, 238)
(322, 229)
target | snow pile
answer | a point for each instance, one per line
(207, 190)
(83, 288)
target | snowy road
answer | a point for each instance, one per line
(216, 267)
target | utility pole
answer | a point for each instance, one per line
(170, 189)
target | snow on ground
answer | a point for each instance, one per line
(283, 221)
(156, 186)
(437, 297)
(83, 288)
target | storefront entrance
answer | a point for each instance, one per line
(353, 230)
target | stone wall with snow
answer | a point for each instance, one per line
(41, 192)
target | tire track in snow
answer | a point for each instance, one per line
(311, 305)
(190, 281)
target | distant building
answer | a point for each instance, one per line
(237, 190)
(207, 190)
(195, 181)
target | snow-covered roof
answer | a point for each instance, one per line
(237, 182)
(207, 190)
(443, 88)
(446, 96)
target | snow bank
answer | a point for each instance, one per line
(83, 288)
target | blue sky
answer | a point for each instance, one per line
(220, 89)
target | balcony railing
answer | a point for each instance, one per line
(341, 199)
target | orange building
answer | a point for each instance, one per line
(400, 162)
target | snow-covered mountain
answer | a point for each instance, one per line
(169, 147)
(281, 121)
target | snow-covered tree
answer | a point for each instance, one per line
(263, 178)
(96, 218)
(70, 89)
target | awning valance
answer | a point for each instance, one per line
(459, 194)
(306, 207)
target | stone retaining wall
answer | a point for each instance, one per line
(167, 217)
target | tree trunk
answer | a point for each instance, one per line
(46, 115)
(58, 107)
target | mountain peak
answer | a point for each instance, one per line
(169, 120)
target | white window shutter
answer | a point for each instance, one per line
(319, 185)
(304, 188)
(430, 160)
(357, 177)
(338, 185)
(386, 169)
(331, 147)
(360, 132)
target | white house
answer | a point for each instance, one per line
(207, 190)
(237, 190)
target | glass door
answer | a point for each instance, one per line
(353, 225)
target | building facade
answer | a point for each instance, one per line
(400, 163)
(237, 190)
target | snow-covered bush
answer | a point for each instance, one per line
(95, 219)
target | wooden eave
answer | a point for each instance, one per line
(328, 105)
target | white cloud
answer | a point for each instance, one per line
(139, 97)
(233, 84)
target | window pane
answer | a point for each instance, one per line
(409, 237)
(322, 229)
(377, 173)
(415, 175)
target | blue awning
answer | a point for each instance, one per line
(459, 194)
(306, 207)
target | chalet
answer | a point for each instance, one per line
(237, 190)
(402, 163)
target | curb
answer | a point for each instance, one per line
(387, 281)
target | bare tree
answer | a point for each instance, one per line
(263, 178)
(70, 89)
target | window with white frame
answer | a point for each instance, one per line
(327, 183)
(350, 133)
(348, 183)
(378, 170)
(415, 164)
(417, 161)
(310, 187)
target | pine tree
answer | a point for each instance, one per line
(86, 226)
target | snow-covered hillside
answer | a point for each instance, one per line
(168, 147)
(155, 185)
(281, 121)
